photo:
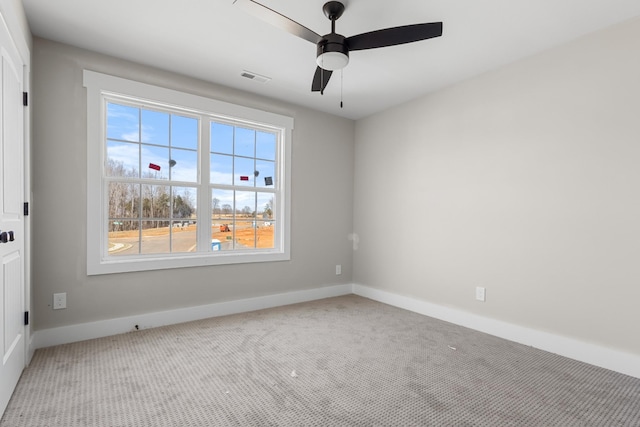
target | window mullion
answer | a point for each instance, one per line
(204, 189)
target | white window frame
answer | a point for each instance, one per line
(101, 87)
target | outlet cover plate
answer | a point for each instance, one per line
(59, 301)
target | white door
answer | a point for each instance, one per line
(12, 329)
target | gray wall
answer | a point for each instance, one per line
(322, 177)
(526, 181)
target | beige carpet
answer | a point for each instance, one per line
(344, 361)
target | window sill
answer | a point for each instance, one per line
(151, 262)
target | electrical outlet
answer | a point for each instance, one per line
(59, 301)
(480, 293)
(338, 269)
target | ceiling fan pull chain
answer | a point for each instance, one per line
(322, 77)
(341, 85)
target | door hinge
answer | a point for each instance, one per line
(26, 318)
(25, 210)
(25, 98)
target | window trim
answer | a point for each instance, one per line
(98, 87)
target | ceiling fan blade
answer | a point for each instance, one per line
(278, 20)
(394, 36)
(320, 79)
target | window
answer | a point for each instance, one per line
(178, 180)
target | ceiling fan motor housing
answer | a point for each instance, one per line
(332, 52)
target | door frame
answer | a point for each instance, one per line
(12, 12)
(27, 218)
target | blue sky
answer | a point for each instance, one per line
(139, 137)
(163, 137)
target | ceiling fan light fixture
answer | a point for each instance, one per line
(332, 60)
(332, 52)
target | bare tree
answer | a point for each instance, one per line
(268, 208)
(215, 206)
(123, 196)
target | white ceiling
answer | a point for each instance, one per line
(215, 40)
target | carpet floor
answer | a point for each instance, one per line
(345, 361)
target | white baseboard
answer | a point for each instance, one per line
(31, 349)
(104, 328)
(615, 360)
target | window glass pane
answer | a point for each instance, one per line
(221, 169)
(244, 142)
(243, 173)
(123, 159)
(222, 205)
(265, 206)
(245, 204)
(225, 198)
(222, 219)
(266, 174)
(183, 165)
(155, 162)
(184, 132)
(155, 201)
(123, 122)
(265, 227)
(124, 237)
(266, 145)
(155, 237)
(184, 203)
(221, 138)
(183, 236)
(124, 200)
(155, 127)
(245, 234)
(264, 234)
(245, 225)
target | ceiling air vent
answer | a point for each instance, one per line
(256, 77)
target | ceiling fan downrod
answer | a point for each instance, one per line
(333, 10)
(332, 52)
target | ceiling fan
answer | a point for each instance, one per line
(332, 52)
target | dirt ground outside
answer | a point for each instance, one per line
(247, 235)
(244, 235)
